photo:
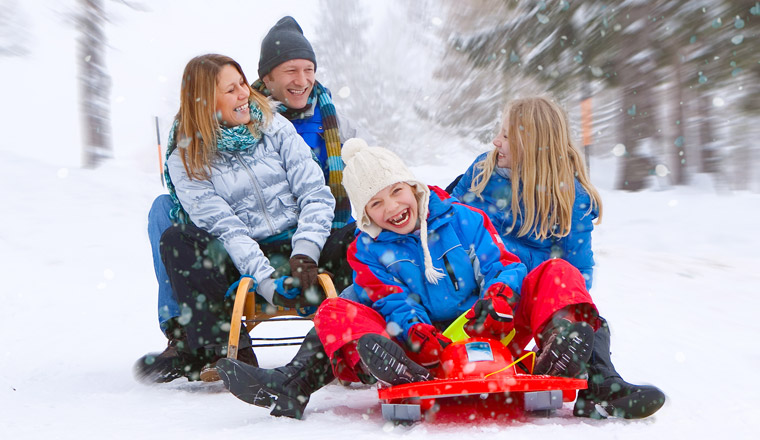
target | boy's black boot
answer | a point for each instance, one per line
(176, 361)
(386, 361)
(286, 389)
(608, 390)
(566, 349)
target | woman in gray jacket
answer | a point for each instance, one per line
(249, 200)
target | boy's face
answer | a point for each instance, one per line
(394, 208)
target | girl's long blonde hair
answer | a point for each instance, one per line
(545, 165)
(198, 125)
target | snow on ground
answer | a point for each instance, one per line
(676, 269)
(676, 278)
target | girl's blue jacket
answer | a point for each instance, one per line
(465, 247)
(497, 201)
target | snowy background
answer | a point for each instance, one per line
(677, 269)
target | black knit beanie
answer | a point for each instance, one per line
(284, 42)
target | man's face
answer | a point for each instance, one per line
(291, 82)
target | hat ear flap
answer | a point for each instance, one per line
(422, 194)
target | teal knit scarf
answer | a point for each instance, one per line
(236, 138)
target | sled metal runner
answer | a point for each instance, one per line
(442, 388)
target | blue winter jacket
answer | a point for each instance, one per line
(311, 130)
(575, 247)
(389, 270)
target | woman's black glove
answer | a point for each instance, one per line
(304, 270)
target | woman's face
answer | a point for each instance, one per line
(504, 160)
(231, 98)
(394, 208)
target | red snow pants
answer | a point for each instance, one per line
(552, 287)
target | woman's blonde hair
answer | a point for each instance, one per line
(545, 165)
(198, 125)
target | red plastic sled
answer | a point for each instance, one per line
(478, 378)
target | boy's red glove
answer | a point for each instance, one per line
(426, 344)
(491, 316)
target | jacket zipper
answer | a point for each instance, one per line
(259, 195)
(450, 270)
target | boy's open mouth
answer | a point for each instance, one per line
(400, 219)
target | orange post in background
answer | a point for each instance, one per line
(586, 122)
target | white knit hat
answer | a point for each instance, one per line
(369, 170)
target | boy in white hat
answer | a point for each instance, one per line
(421, 259)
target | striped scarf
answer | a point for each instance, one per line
(331, 135)
(236, 138)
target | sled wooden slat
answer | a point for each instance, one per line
(255, 313)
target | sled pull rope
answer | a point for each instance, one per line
(532, 363)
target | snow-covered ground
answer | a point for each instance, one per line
(677, 277)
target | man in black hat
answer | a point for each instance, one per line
(287, 68)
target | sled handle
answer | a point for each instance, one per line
(244, 296)
(532, 364)
(237, 316)
(455, 331)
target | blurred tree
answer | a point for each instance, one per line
(658, 71)
(641, 50)
(728, 75)
(562, 44)
(14, 37)
(378, 69)
(94, 84)
(473, 93)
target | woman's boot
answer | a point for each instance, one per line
(176, 361)
(608, 390)
(285, 389)
(245, 354)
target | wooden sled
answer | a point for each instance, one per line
(249, 310)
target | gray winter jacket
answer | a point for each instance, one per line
(258, 193)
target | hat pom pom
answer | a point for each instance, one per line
(351, 147)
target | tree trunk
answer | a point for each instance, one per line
(635, 124)
(94, 84)
(636, 120)
(707, 147)
(678, 162)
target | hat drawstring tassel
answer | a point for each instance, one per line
(431, 273)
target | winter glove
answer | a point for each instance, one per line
(304, 270)
(491, 316)
(426, 344)
(286, 294)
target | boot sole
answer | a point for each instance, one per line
(209, 374)
(638, 405)
(236, 380)
(154, 376)
(568, 354)
(387, 361)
